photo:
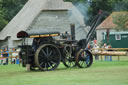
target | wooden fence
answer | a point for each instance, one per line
(110, 52)
(101, 52)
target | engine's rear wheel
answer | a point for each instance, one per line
(84, 59)
(47, 57)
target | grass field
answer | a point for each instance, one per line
(100, 73)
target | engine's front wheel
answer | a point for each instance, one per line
(84, 59)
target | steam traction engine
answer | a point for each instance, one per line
(47, 52)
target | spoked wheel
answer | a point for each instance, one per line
(69, 60)
(84, 59)
(33, 68)
(47, 57)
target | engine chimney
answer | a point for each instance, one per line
(72, 31)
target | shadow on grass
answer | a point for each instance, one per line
(57, 69)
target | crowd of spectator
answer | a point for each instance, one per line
(5, 56)
(95, 48)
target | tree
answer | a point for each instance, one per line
(121, 21)
(11, 8)
(121, 5)
(8, 9)
(3, 22)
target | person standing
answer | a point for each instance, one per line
(110, 57)
(96, 47)
(35, 44)
(5, 55)
(105, 47)
(1, 57)
(95, 41)
(13, 60)
(88, 47)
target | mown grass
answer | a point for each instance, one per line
(100, 73)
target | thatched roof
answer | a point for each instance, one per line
(108, 22)
(28, 13)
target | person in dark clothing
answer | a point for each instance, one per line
(35, 44)
(110, 57)
(66, 36)
(5, 55)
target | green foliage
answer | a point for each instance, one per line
(76, 0)
(8, 5)
(3, 22)
(105, 5)
(121, 5)
(120, 20)
(8, 9)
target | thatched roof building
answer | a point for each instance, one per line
(108, 22)
(28, 13)
(44, 14)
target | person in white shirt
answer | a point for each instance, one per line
(96, 50)
(105, 46)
